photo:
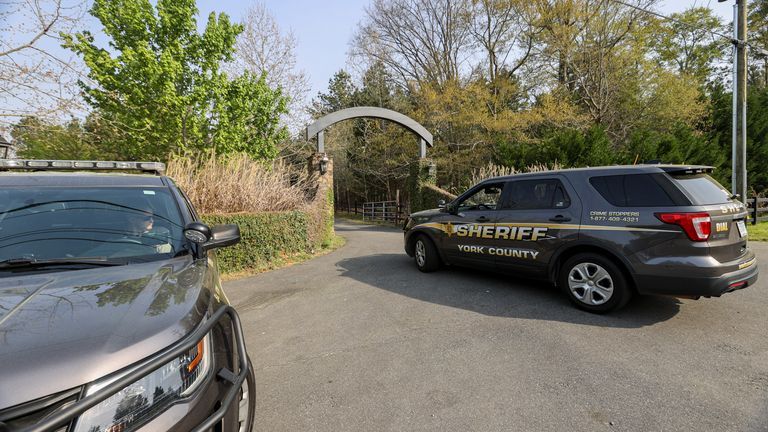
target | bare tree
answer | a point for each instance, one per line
(504, 28)
(422, 41)
(591, 49)
(37, 77)
(262, 48)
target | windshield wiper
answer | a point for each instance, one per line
(32, 262)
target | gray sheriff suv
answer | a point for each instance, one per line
(112, 316)
(600, 234)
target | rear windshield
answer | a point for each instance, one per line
(117, 224)
(639, 190)
(702, 189)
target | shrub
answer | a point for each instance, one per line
(264, 237)
(277, 206)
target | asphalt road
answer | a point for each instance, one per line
(360, 340)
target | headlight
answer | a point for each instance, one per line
(139, 402)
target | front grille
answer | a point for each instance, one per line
(29, 413)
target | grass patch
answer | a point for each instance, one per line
(758, 232)
(283, 260)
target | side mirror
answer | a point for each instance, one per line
(223, 236)
(197, 232)
(212, 237)
(441, 204)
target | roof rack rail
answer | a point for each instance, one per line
(63, 165)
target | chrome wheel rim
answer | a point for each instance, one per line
(243, 406)
(421, 253)
(590, 283)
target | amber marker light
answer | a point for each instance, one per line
(198, 357)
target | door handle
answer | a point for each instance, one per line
(560, 218)
(482, 219)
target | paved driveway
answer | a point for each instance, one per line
(359, 340)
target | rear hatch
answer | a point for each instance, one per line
(728, 238)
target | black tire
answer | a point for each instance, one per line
(425, 254)
(251, 382)
(594, 283)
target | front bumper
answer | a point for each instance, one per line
(234, 381)
(699, 286)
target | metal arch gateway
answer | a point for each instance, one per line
(318, 127)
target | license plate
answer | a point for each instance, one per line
(742, 228)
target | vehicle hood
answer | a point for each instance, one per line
(428, 214)
(64, 329)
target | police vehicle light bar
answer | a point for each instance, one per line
(26, 164)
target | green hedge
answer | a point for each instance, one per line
(264, 236)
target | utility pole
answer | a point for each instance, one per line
(739, 141)
(740, 156)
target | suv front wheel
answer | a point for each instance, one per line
(594, 283)
(425, 254)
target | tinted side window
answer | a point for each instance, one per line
(484, 198)
(638, 190)
(190, 207)
(537, 194)
(703, 189)
(187, 202)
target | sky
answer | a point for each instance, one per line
(324, 28)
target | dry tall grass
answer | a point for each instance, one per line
(493, 170)
(236, 183)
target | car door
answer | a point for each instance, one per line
(468, 231)
(537, 217)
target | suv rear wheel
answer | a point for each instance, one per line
(594, 283)
(425, 255)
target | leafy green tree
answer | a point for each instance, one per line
(718, 129)
(686, 43)
(757, 26)
(588, 148)
(757, 139)
(40, 139)
(341, 91)
(159, 83)
(249, 121)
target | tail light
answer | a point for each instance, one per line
(697, 226)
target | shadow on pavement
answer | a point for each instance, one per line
(494, 294)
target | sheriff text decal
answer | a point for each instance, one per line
(490, 231)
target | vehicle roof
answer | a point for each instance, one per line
(608, 170)
(79, 179)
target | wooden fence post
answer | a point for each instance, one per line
(755, 204)
(397, 207)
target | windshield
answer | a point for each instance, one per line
(118, 225)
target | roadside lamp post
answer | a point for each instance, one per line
(324, 164)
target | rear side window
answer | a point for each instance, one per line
(703, 189)
(536, 194)
(639, 190)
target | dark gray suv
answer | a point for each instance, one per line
(600, 234)
(112, 315)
